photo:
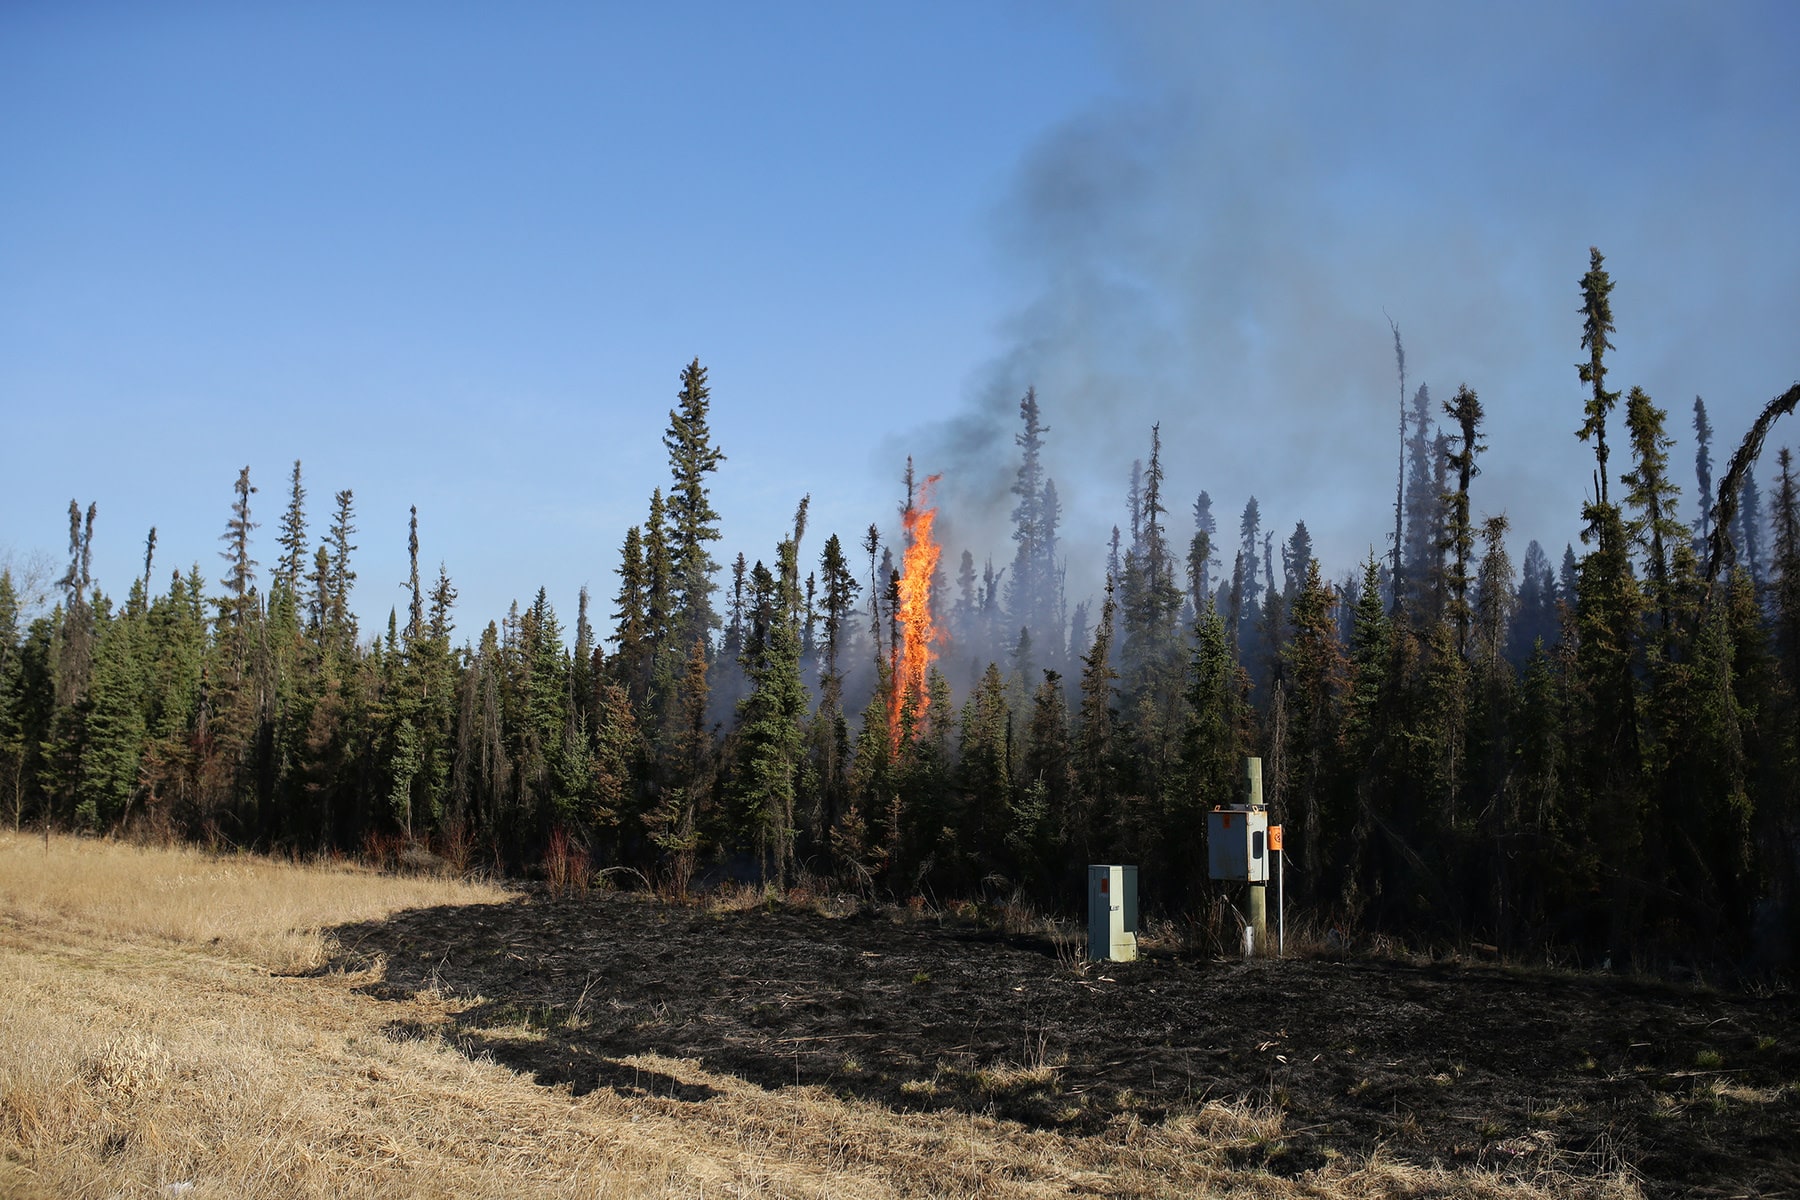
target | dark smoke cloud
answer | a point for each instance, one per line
(1220, 248)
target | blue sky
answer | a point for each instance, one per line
(455, 256)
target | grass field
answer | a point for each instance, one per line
(166, 1029)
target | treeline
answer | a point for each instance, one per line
(1603, 755)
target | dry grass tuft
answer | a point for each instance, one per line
(738, 897)
(1240, 1122)
(1011, 1079)
(129, 1067)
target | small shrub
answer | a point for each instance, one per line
(565, 865)
(381, 850)
(456, 846)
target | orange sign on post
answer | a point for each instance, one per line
(1274, 837)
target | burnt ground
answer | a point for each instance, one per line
(1696, 1091)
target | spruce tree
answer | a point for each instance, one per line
(664, 648)
(149, 559)
(1370, 655)
(546, 699)
(1213, 738)
(1749, 526)
(770, 734)
(76, 640)
(482, 778)
(1296, 559)
(443, 601)
(433, 674)
(1608, 607)
(1703, 468)
(1535, 619)
(1459, 529)
(72, 630)
(693, 525)
(1492, 687)
(1078, 632)
(1496, 600)
(581, 677)
(1567, 575)
(840, 589)
(1134, 504)
(617, 748)
(1027, 591)
(1053, 612)
(292, 539)
(1044, 818)
(1096, 735)
(1151, 658)
(240, 575)
(339, 623)
(415, 605)
(113, 741)
(681, 784)
(1370, 714)
(33, 718)
(1424, 511)
(829, 735)
(733, 647)
(1201, 553)
(1315, 676)
(984, 780)
(631, 620)
(1400, 479)
(1249, 531)
(1597, 322)
(1234, 605)
(1652, 496)
(177, 639)
(1734, 686)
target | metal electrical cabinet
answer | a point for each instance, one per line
(1237, 844)
(1112, 913)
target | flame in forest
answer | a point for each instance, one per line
(913, 653)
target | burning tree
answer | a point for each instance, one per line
(911, 655)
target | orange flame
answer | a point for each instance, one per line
(913, 655)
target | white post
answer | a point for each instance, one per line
(1281, 903)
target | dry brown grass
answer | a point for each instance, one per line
(263, 909)
(152, 1044)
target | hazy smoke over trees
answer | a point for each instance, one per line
(1198, 254)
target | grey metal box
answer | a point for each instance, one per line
(1112, 912)
(1237, 844)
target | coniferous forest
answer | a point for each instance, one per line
(1595, 751)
